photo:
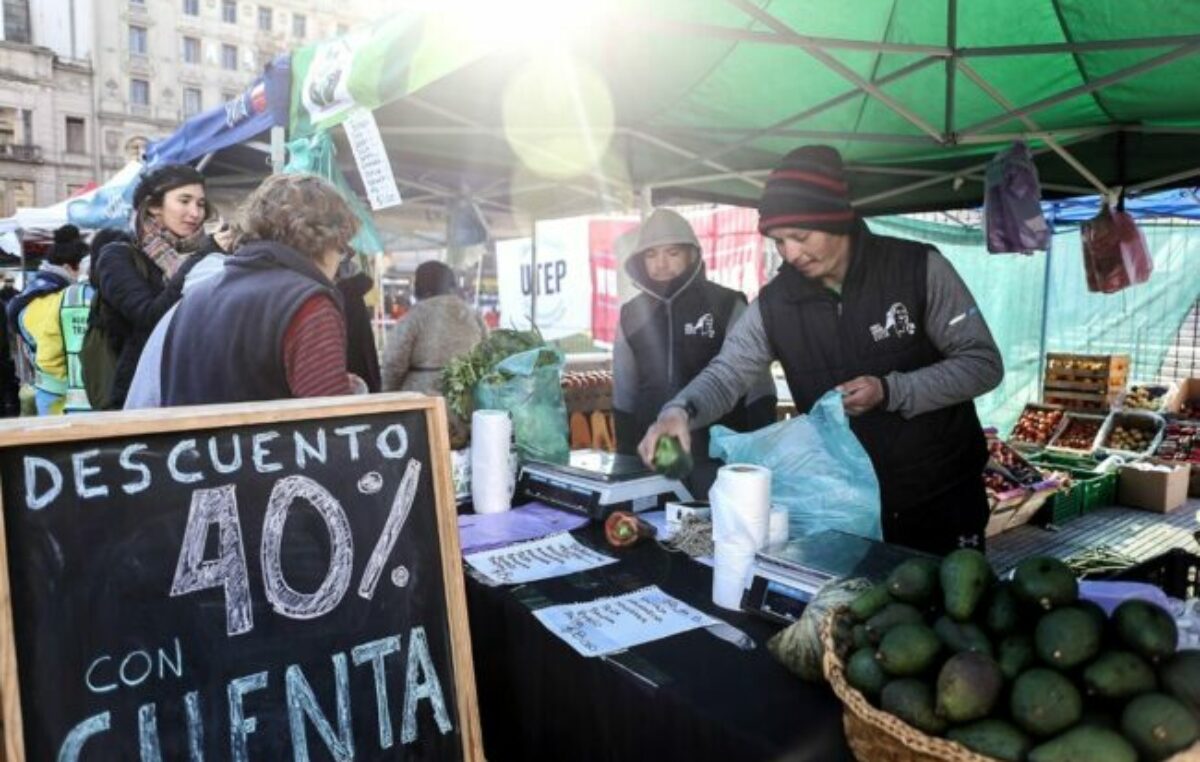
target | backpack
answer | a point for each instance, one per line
(97, 357)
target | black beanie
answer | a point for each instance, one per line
(68, 247)
(807, 190)
(163, 179)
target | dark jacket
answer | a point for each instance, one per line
(362, 358)
(669, 333)
(135, 294)
(874, 327)
(225, 342)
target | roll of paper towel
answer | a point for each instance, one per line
(491, 480)
(777, 525)
(741, 507)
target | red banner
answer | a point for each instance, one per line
(729, 241)
(606, 303)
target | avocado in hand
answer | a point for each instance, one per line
(670, 459)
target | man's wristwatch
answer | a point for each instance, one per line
(689, 407)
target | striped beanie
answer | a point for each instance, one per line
(807, 190)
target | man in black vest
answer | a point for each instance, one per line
(669, 333)
(888, 323)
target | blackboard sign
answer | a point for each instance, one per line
(276, 581)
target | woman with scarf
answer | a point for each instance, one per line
(140, 280)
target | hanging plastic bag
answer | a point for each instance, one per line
(1115, 255)
(529, 386)
(819, 471)
(1012, 203)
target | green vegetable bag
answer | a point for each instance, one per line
(529, 386)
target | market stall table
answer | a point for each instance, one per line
(689, 697)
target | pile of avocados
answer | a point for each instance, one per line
(1023, 669)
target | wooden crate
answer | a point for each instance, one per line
(1084, 382)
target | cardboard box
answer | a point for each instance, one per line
(1152, 489)
(1189, 393)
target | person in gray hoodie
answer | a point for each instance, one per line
(886, 322)
(668, 333)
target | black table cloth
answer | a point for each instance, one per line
(689, 697)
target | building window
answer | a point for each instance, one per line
(137, 40)
(229, 57)
(192, 101)
(76, 135)
(265, 18)
(14, 193)
(14, 22)
(229, 11)
(139, 92)
(228, 95)
(191, 7)
(299, 24)
(191, 50)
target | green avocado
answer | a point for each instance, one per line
(670, 459)
(1014, 654)
(1067, 637)
(1086, 743)
(1001, 615)
(890, 616)
(915, 581)
(1044, 703)
(912, 701)
(1045, 582)
(1146, 629)
(962, 636)
(1159, 725)
(968, 686)
(870, 603)
(1118, 675)
(993, 738)
(1180, 676)
(965, 575)
(864, 673)
(908, 649)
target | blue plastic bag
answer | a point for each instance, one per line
(529, 386)
(819, 471)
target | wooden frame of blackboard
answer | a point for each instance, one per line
(35, 431)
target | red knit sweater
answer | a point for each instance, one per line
(314, 350)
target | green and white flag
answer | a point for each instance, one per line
(372, 65)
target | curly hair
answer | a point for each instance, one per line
(302, 211)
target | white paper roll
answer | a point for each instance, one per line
(777, 530)
(741, 506)
(491, 478)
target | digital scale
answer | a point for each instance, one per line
(788, 576)
(596, 483)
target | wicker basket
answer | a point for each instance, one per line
(876, 736)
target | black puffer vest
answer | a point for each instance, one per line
(873, 328)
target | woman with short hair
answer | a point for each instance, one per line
(271, 324)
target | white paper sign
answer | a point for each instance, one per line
(561, 278)
(614, 624)
(372, 159)
(554, 556)
(325, 90)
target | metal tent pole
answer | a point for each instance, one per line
(837, 67)
(995, 95)
(1095, 84)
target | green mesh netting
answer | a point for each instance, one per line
(1041, 304)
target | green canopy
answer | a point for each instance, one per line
(697, 99)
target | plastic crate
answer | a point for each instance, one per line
(1176, 572)
(1088, 491)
